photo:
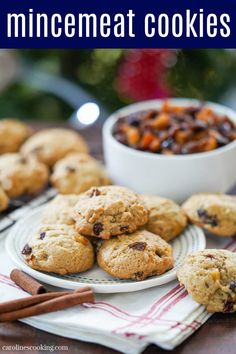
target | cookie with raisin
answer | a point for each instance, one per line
(59, 249)
(137, 256)
(166, 218)
(109, 211)
(77, 172)
(214, 212)
(21, 175)
(51, 145)
(209, 276)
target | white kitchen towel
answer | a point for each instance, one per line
(128, 322)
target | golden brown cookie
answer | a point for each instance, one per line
(60, 209)
(3, 200)
(210, 278)
(13, 134)
(22, 175)
(78, 172)
(137, 256)
(51, 145)
(108, 211)
(166, 218)
(214, 212)
(59, 249)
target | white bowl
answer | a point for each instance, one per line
(172, 176)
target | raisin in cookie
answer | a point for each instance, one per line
(3, 200)
(13, 134)
(108, 211)
(60, 210)
(214, 212)
(210, 278)
(59, 249)
(78, 172)
(21, 175)
(166, 218)
(137, 256)
(51, 145)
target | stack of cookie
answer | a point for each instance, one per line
(12, 135)
(128, 228)
(129, 233)
(26, 161)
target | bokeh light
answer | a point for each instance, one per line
(88, 113)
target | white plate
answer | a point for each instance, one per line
(192, 239)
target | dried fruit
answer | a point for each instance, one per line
(210, 144)
(133, 135)
(232, 285)
(146, 140)
(124, 228)
(42, 235)
(70, 169)
(155, 145)
(215, 275)
(206, 218)
(162, 121)
(175, 130)
(95, 192)
(209, 256)
(26, 250)
(182, 136)
(229, 306)
(138, 246)
(98, 228)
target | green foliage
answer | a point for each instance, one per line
(204, 74)
(94, 70)
(20, 101)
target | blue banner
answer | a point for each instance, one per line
(114, 24)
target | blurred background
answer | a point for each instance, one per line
(49, 85)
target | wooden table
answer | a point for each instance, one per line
(216, 336)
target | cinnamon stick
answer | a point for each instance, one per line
(18, 304)
(25, 282)
(55, 304)
(29, 301)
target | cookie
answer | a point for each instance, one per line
(108, 211)
(13, 134)
(51, 145)
(59, 210)
(3, 200)
(59, 249)
(210, 278)
(137, 256)
(78, 172)
(166, 218)
(21, 175)
(214, 212)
